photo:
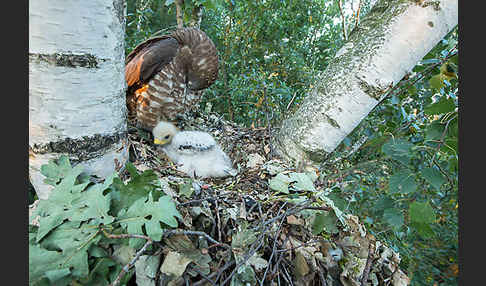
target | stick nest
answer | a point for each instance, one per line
(240, 231)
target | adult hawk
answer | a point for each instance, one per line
(166, 75)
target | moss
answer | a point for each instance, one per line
(67, 60)
(84, 148)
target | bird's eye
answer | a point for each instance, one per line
(166, 136)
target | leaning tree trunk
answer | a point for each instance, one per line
(76, 86)
(388, 43)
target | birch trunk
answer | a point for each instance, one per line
(388, 43)
(76, 86)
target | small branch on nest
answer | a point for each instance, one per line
(321, 274)
(206, 278)
(274, 248)
(366, 272)
(218, 220)
(190, 232)
(217, 274)
(130, 264)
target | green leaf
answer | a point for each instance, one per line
(93, 205)
(58, 207)
(245, 275)
(325, 221)
(41, 261)
(434, 130)
(434, 177)
(139, 186)
(73, 240)
(243, 239)
(55, 275)
(302, 182)
(444, 105)
(186, 189)
(436, 81)
(150, 213)
(100, 272)
(421, 213)
(398, 149)
(56, 170)
(403, 182)
(393, 217)
(280, 183)
(421, 217)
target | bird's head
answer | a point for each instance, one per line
(164, 132)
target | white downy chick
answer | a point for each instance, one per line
(195, 153)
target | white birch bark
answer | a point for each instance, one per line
(76, 85)
(388, 43)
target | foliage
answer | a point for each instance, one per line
(403, 181)
(68, 244)
(269, 51)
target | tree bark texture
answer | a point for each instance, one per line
(179, 13)
(387, 44)
(76, 86)
(196, 17)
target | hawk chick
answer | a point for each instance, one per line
(195, 153)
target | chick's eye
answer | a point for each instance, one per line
(166, 136)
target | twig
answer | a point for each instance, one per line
(219, 220)
(301, 245)
(291, 100)
(207, 278)
(441, 142)
(345, 34)
(191, 232)
(127, 267)
(221, 270)
(366, 272)
(419, 77)
(179, 14)
(275, 239)
(321, 274)
(357, 14)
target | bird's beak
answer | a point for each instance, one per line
(160, 142)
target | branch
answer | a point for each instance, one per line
(357, 15)
(127, 267)
(366, 272)
(345, 34)
(190, 232)
(179, 13)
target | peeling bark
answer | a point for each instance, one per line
(387, 44)
(76, 86)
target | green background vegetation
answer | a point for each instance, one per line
(403, 180)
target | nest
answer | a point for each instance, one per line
(238, 230)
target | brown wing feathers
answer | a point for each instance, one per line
(149, 59)
(165, 75)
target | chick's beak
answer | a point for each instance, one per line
(159, 142)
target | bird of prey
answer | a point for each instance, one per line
(167, 74)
